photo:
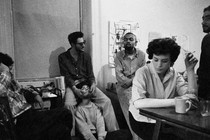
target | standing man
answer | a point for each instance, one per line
(204, 67)
(127, 62)
(76, 67)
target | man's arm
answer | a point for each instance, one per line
(4, 79)
(91, 77)
(31, 96)
(64, 72)
(90, 73)
(125, 81)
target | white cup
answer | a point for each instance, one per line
(182, 105)
(60, 84)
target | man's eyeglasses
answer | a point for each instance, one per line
(82, 43)
(130, 39)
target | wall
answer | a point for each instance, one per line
(168, 17)
(41, 28)
(86, 24)
(40, 35)
(6, 28)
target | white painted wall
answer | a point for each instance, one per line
(6, 28)
(168, 17)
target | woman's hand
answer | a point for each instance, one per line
(190, 61)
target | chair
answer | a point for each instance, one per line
(7, 125)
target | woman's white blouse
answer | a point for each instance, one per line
(147, 84)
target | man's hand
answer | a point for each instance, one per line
(101, 138)
(38, 98)
(77, 91)
(92, 88)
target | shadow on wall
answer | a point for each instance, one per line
(53, 60)
(105, 75)
(39, 35)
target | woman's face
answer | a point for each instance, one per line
(3, 68)
(85, 91)
(161, 63)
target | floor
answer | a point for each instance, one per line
(75, 138)
(119, 115)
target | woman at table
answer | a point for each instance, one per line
(157, 84)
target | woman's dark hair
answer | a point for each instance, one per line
(206, 9)
(6, 59)
(79, 85)
(74, 36)
(164, 46)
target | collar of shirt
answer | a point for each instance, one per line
(71, 57)
(169, 73)
(69, 53)
(124, 55)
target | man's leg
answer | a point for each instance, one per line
(69, 98)
(105, 104)
(124, 96)
(119, 135)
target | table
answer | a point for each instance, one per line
(191, 121)
(49, 103)
(51, 93)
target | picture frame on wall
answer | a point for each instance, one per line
(117, 29)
